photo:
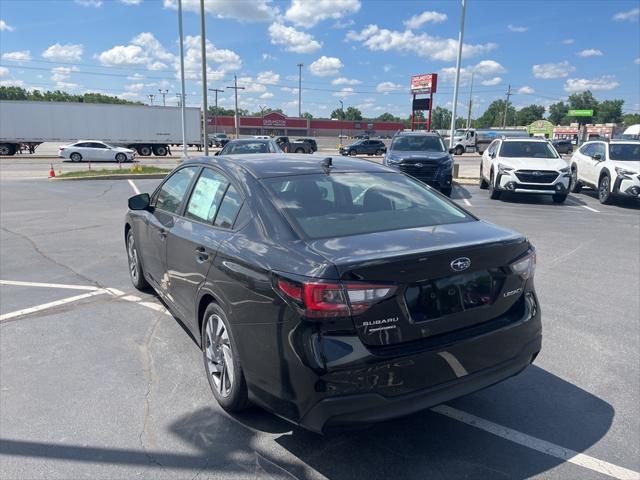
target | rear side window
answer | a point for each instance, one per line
(320, 206)
(229, 208)
(172, 191)
(204, 201)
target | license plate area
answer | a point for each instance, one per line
(450, 295)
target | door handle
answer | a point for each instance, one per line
(162, 234)
(201, 255)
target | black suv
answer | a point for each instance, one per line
(424, 156)
(563, 146)
(312, 143)
(370, 147)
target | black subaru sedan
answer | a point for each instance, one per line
(333, 291)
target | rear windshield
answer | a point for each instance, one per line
(336, 205)
(624, 151)
(417, 144)
(527, 149)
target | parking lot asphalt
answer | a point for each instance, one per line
(98, 381)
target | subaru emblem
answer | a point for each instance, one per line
(460, 264)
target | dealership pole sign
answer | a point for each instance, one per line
(580, 113)
(425, 83)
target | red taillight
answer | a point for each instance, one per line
(320, 300)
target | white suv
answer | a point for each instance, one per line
(524, 165)
(612, 168)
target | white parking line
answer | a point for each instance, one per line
(583, 206)
(466, 202)
(539, 445)
(45, 306)
(48, 285)
(133, 185)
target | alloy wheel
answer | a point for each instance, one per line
(220, 364)
(133, 258)
(603, 191)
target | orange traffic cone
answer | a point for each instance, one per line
(52, 172)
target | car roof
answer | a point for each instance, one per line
(269, 165)
(250, 140)
(417, 134)
(524, 139)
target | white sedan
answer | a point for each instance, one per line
(95, 151)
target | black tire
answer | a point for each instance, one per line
(144, 150)
(161, 151)
(121, 157)
(221, 362)
(559, 197)
(446, 191)
(494, 194)
(6, 150)
(604, 190)
(378, 152)
(482, 183)
(75, 157)
(576, 186)
(299, 150)
(352, 153)
(135, 267)
(459, 150)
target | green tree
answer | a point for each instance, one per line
(338, 113)
(583, 101)
(529, 114)
(220, 111)
(387, 117)
(440, 118)
(629, 119)
(558, 113)
(307, 115)
(353, 113)
(609, 111)
(18, 93)
(494, 114)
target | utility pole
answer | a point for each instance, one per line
(470, 101)
(300, 65)
(236, 88)
(203, 49)
(179, 99)
(215, 115)
(151, 95)
(340, 120)
(458, 61)
(506, 108)
(262, 109)
(183, 110)
(164, 95)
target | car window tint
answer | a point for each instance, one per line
(229, 208)
(335, 205)
(625, 151)
(587, 150)
(599, 148)
(172, 192)
(206, 196)
(98, 145)
(527, 149)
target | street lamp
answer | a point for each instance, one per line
(455, 88)
(164, 95)
(341, 117)
(262, 109)
(151, 95)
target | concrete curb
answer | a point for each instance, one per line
(129, 176)
(466, 181)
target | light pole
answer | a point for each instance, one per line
(182, 97)
(341, 117)
(164, 96)
(458, 61)
(215, 112)
(470, 100)
(203, 49)
(262, 109)
(300, 65)
(151, 95)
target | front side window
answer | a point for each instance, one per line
(588, 149)
(417, 144)
(320, 206)
(625, 151)
(206, 196)
(173, 190)
(527, 149)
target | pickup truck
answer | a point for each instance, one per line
(293, 147)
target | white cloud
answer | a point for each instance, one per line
(20, 56)
(268, 78)
(637, 61)
(250, 85)
(59, 74)
(386, 87)
(131, 2)
(222, 59)
(417, 21)
(266, 56)
(422, 45)
(306, 13)
(568, 41)
(484, 68)
(266, 95)
(136, 76)
(526, 90)
(343, 23)
(387, 68)
(67, 86)
(606, 82)
(590, 52)
(63, 53)
(631, 15)
(244, 11)
(5, 27)
(293, 40)
(122, 55)
(326, 66)
(548, 71)
(345, 92)
(135, 87)
(345, 81)
(492, 81)
(89, 3)
(4, 71)
(517, 29)
(12, 83)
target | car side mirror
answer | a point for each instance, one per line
(217, 153)
(597, 157)
(492, 155)
(140, 202)
(452, 151)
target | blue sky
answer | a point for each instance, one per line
(360, 51)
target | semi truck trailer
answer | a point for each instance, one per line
(146, 129)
